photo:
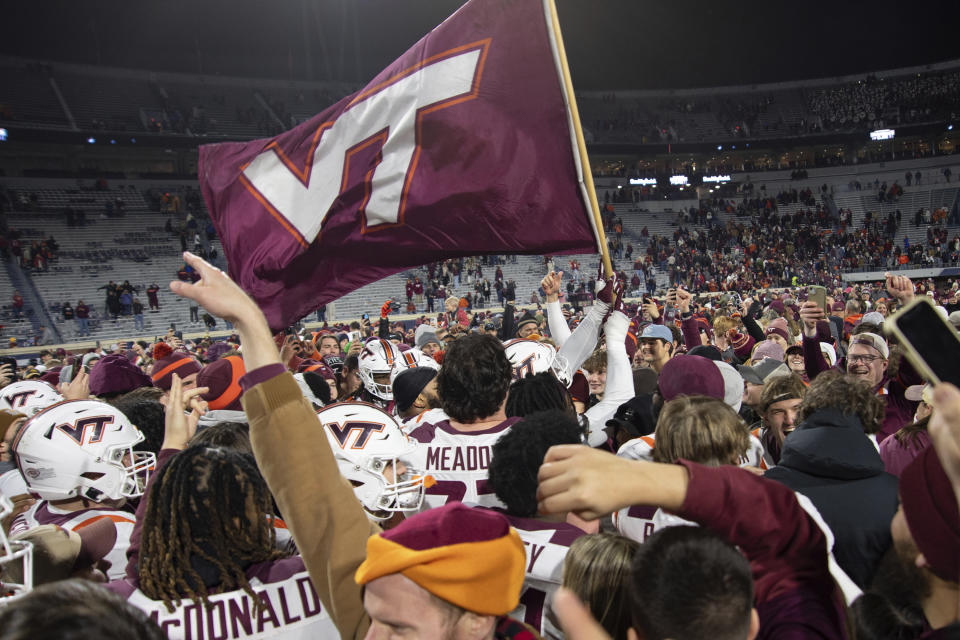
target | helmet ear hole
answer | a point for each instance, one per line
(91, 475)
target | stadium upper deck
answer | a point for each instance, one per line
(60, 96)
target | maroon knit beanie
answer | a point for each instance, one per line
(167, 362)
(930, 507)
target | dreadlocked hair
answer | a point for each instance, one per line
(537, 392)
(208, 507)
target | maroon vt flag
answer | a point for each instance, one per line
(463, 146)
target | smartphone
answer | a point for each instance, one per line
(929, 342)
(819, 295)
(10, 361)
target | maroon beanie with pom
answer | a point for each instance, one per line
(167, 362)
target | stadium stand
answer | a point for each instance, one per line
(137, 246)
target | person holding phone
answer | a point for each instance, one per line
(867, 359)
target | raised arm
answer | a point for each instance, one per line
(326, 520)
(785, 547)
(559, 329)
(619, 387)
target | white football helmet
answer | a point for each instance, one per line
(366, 443)
(28, 397)
(376, 362)
(82, 448)
(412, 358)
(528, 357)
(13, 552)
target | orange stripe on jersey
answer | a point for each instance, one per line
(279, 524)
(113, 517)
(650, 441)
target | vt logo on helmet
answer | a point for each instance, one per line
(28, 397)
(82, 448)
(375, 456)
(529, 357)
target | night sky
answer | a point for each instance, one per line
(611, 44)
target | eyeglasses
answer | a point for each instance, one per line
(862, 357)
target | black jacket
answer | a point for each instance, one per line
(830, 460)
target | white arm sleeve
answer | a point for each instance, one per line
(582, 342)
(559, 330)
(619, 387)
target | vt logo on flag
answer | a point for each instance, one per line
(463, 146)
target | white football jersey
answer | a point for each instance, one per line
(457, 461)
(546, 545)
(432, 416)
(756, 455)
(291, 609)
(42, 512)
(640, 522)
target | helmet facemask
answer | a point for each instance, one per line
(129, 480)
(14, 552)
(380, 497)
(379, 389)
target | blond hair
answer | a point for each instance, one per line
(598, 568)
(700, 429)
(722, 324)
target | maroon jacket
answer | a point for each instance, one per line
(82, 311)
(794, 593)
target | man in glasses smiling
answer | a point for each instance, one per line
(867, 359)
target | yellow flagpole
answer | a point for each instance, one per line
(581, 144)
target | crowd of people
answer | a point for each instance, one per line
(877, 103)
(764, 463)
(35, 256)
(860, 105)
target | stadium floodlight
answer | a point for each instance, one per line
(3, 134)
(91, 140)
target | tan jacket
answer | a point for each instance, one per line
(298, 465)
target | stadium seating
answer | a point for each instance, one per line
(26, 96)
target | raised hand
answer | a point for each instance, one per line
(551, 285)
(180, 426)
(7, 374)
(683, 299)
(810, 314)
(79, 387)
(215, 292)
(900, 287)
